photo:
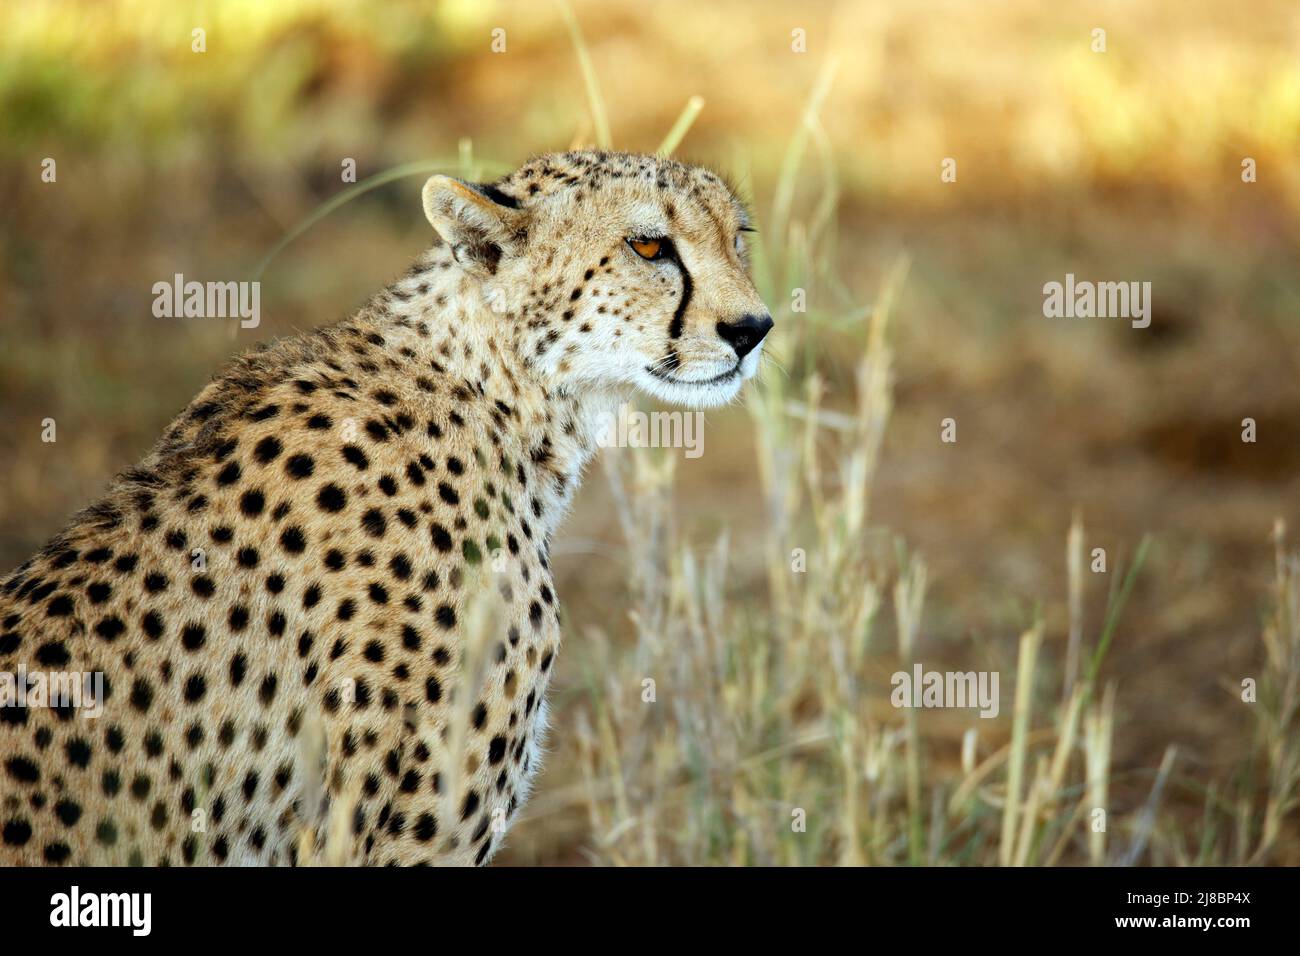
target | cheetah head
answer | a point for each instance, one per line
(614, 270)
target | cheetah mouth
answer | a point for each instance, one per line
(726, 376)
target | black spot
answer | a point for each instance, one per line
(106, 833)
(331, 498)
(373, 523)
(268, 449)
(141, 695)
(152, 624)
(356, 456)
(68, 812)
(78, 752)
(53, 654)
(17, 832)
(193, 637)
(441, 539)
(251, 503)
(292, 541)
(110, 628)
(471, 804)
(195, 688)
(22, 770)
(300, 466)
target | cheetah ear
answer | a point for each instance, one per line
(481, 224)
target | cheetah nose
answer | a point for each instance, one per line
(745, 334)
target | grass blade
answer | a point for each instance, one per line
(360, 189)
(683, 125)
(594, 99)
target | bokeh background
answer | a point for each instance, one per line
(1122, 165)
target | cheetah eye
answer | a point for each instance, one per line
(647, 248)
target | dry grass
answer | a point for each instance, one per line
(770, 695)
(748, 723)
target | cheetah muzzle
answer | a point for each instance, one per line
(279, 596)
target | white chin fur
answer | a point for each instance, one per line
(691, 396)
(701, 395)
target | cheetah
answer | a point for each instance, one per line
(278, 595)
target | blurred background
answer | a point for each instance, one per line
(834, 120)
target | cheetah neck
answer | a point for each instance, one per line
(439, 311)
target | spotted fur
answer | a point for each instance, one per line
(296, 559)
